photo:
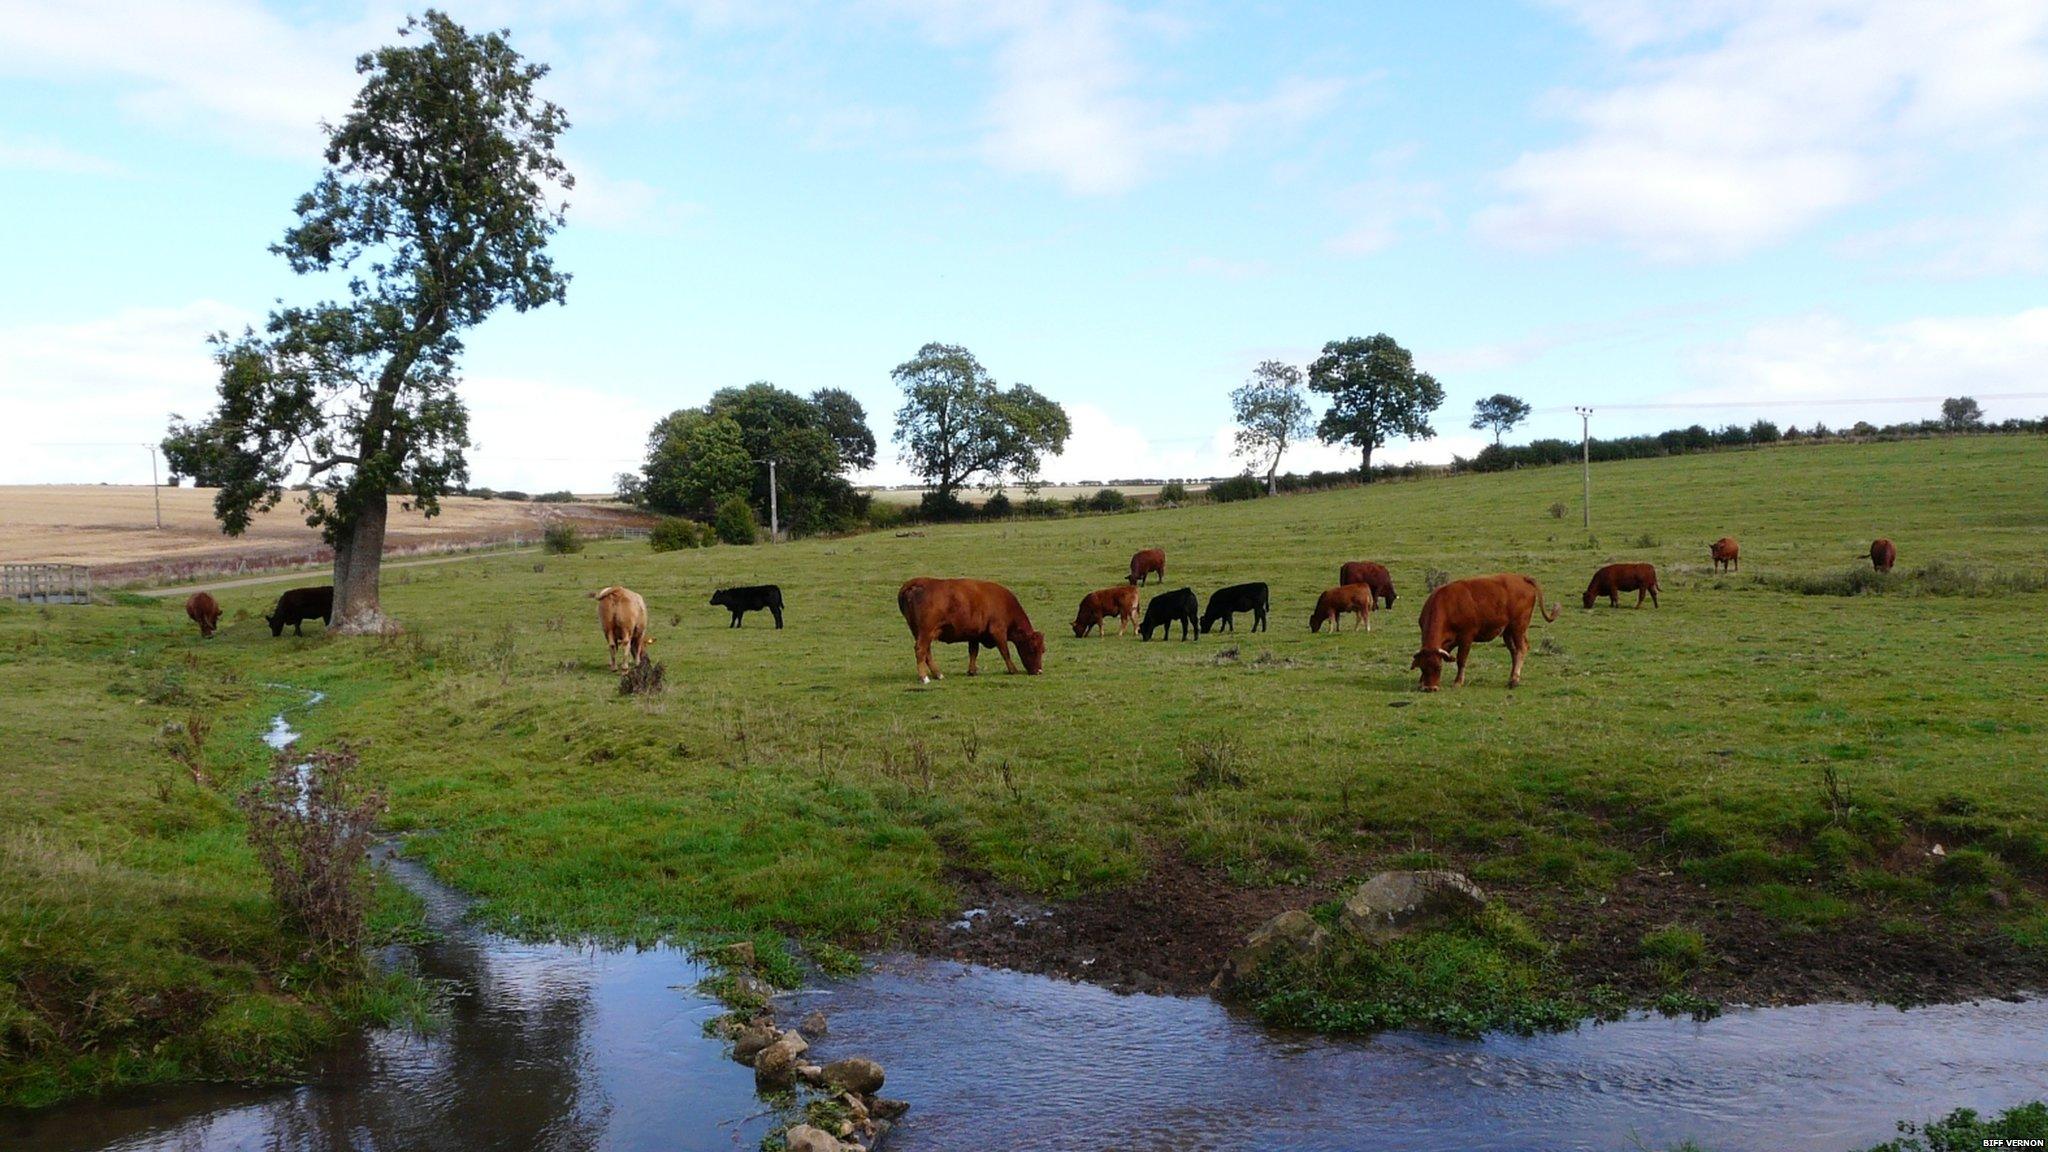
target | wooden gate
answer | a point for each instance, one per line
(46, 583)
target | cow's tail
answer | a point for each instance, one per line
(600, 593)
(907, 598)
(1549, 611)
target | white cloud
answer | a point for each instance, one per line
(83, 399)
(35, 154)
(544, 436)
(1070, 99)
(600, 200)
(220, 68)
(1824, 357)
(1739, 123)
(2009, 243)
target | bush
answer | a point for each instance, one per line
(559, 539)
(511, 494)
(1173, 493)
(310, 824)
(997, 507)
(1557, 510)
(1965, 1129)
(1109, 500)
(1246, 487)
(1039, 506)
(735, 522)
(672, 533)
(887, 514)
(943, 507)
(564, 497)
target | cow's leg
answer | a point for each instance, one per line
(1653, 597)
(1464, 650)
(1518, 647)
(1003, 649)
(926, 671)
(973, 657)
(777, 609)
(1640, 593)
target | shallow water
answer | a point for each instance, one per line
(559, 1047)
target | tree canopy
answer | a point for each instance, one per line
(698, 458)
(1500, 412)
(1961, 412)
(1375, 395)
(436, 200)
(957, 424)
(1271, 413)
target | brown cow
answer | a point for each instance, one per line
(1615, 579)
(1120, 602)
(977, 612)
(204, 611)
(623, 616)
(1883, 555)
(1145, 563)
(1725, 552)
(1372, 575)
(1333, 604)
(1467, 612)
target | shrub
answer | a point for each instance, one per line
(511, 494)
(734, 522)
(1557, 510)
(1211, 764)
(1174, 492)
(310, 823)
(1039, 506)
(563, 497)
(1964, 1129)
(1245, 487)
(645, 678)
(672, 533)
(997, 507)
(559, 539)
(1109, 500)
(942, 507)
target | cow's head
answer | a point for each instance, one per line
(1081, 625)
(718, 597)
(1589, 597)
(276, 623)
(1316, 618)
(1031, 646)
(1430, 661)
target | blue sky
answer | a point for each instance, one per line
(1718, 205)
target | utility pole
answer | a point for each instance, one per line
(774, 512)
(1586, 461)
(156, 493)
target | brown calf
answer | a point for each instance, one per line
(1334, 603)
(1145, 563)
(1120, 602)
(1725, 552)
(1374, 576)
(204, 611)
(623, 616)
(1883, 555)
(1615, 579)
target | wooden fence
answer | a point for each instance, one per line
(46, 583)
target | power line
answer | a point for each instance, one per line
(1861, 401)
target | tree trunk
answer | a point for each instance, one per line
(1272, 482)
(358, 564)
(1365, 467)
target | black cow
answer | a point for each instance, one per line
(300, 605)
(1168, 607)
(753, 598)
(1227, 602)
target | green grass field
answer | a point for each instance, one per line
(802, 781)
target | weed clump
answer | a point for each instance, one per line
(310, 823)
(647, 678)
(561, 539)
(1211, 764)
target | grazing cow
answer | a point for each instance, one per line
(622, 614)
(1226, 603)
(1615, 579)
(1467, 612)
(752, 598)
(1333, 604)
(204, 611)
(976, 612)
(1145, 563)
(1097, 607)
(300, 605)
(1179, 605)
(1883, 555)
(1374, 576)
(1725, 552)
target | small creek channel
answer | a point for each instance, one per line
(554, 1046)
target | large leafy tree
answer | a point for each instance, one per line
(1960, 413)
(437, 202)
(956, 424)
(847, 423)
(1271, 413)
(1500, 412)
(1375, 395)
(699, 457)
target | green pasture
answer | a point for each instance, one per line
(1798, 750)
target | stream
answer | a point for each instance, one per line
(551, 1046)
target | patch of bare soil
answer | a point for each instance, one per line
(1172, 932)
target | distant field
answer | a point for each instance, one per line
(1048, 492)
(1736, 795)
(113, 528)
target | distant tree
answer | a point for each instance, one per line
(198, 452)
(1500, 412)
(847, 423)
(1960, 413)
(434, 210)
(1271, 413)
(1375, 394)
(1763, 432)
(735, 521)
(630, 488)
(957, 425)
(695, 462)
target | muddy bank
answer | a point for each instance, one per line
(1172, 932)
